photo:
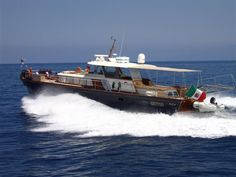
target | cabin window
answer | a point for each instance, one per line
(135, 74)
(118, 73)
(110, 72)
(140, 75)
(98, 70)
(92, 69)
(125, 74)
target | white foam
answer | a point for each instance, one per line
(74, 113)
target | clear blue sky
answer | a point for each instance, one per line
(74, 30)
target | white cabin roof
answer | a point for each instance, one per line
(139, 66)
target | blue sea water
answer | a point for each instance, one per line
(69, 135)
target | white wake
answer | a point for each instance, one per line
(76, 114)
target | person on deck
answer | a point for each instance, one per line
(87, 69)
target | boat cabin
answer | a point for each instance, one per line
(118, 74)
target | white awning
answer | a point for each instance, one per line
(139, 66)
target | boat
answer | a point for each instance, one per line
(207, 107)
(115, 81)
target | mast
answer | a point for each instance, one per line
(112, 47)
(122, 42)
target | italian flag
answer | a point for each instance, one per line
(196, 94)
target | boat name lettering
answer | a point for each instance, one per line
(172, 104)
(160, 104)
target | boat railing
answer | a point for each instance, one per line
(218, 83)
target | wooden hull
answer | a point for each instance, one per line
(120, 100)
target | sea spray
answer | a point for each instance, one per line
(77, 114)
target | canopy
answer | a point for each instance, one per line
(139, 66)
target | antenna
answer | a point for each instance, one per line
(121, 45)
(112, 47)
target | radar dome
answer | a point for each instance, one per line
(141, 58)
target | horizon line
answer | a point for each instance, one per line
(209, 60)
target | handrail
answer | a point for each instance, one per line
(218, 86)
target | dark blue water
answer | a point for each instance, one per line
(68, 135)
